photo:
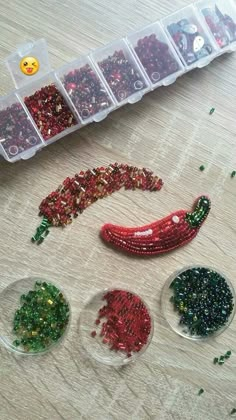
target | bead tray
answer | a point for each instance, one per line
(89, 88)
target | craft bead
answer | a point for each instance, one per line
(42, 319)
(156, 58)
(127, 322)
(123, 78)
(86, 91)
(79, 192)
(190, 40)
(17, 134)
(212, 295)
(50, 111)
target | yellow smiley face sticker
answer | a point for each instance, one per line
(29, 65)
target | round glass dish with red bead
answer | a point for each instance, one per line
(116, 327)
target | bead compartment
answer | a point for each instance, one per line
(221, 27)
(156, 55)
(190, 35)
(172, 315)
(11, 302)
(87, 90)
(89, 332)
(18, 135)
(49, 108)
(117, 64)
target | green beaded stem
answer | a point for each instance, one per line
(42, 231)
(200, 213)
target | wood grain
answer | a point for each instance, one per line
(169, 131)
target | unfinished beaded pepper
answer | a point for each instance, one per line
(77, 193)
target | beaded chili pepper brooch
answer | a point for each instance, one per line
(161, 236)
(77, 193)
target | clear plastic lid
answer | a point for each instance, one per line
(29, 62)
(122, 72)
(220, 16)
(156, 54)
(49, 107)
(86, 89)
(191, 37)
(18, 135)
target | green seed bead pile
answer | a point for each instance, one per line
(203, 299)
(220, 360)
(42, 319)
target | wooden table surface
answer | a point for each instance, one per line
(169, 131)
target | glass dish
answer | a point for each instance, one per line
(91, 327)
(11, 301)
(173, 315)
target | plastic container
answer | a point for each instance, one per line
(50, 108)
(10, 302)
(87, 90)
(97, 346)
(19, 138)
(220, 17)
(172, 315)
(191, 37)
(156, 55)
(122, 72)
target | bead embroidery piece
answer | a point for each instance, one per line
(162, 236)
(77, 193)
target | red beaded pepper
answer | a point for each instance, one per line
(161, 236)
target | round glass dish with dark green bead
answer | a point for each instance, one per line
(34, 316)
(198, 302)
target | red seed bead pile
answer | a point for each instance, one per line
(123, 78)
(50, 111)
(77, 193)
(128, 323)
(16, 131)
(86, 91)
(156, 58)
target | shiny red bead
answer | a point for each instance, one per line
(156, 58)
(79, 192)
(50, 111)
(128, 323)
(86, 91)
(16, 131)
(123, 78)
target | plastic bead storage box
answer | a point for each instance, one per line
(46, 105)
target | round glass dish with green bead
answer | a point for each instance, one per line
(34, 316)
(198, 302)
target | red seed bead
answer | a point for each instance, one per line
(156, 58)
(123, 78)
(128, 323)
(50, 111)
(86, 91)
(16, 131)
(77, 193)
